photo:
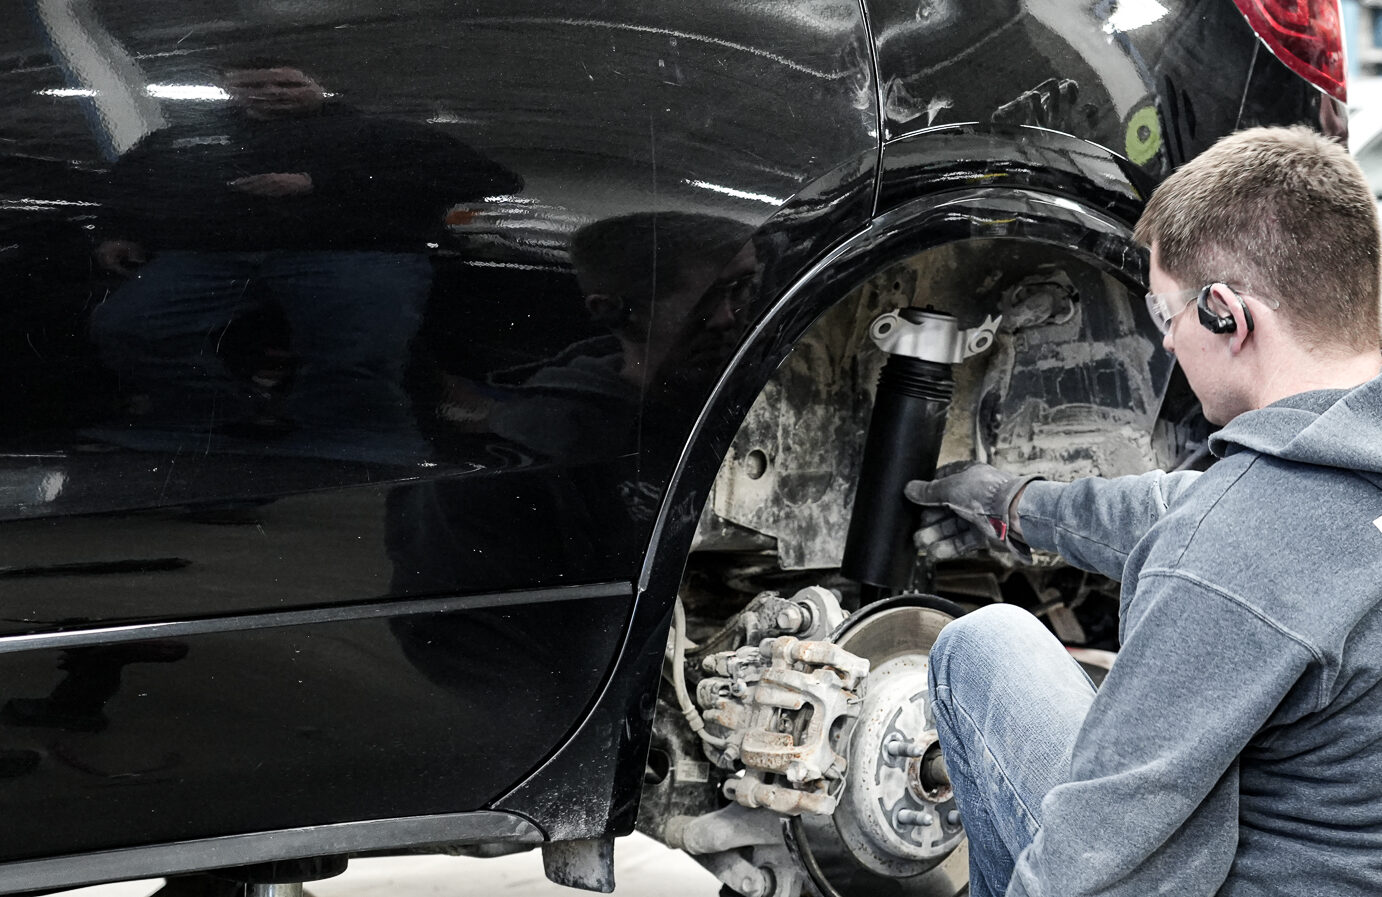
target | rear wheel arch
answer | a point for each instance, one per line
(1063, 226)
(1052, 223)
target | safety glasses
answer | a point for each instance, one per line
(1165, 306)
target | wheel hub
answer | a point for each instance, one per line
(895, 816)
(897, 824)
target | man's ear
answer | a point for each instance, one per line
(1224, 301)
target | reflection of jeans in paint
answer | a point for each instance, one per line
(351, 316)
(1008, 701)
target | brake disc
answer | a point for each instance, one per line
(896, 831)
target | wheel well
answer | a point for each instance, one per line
(764, 488)
(1076, 385)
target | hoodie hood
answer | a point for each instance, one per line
(1328, 428)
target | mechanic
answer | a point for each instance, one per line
(1235, 747)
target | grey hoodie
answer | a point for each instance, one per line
(1236, 747)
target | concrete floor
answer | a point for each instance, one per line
(642, 868)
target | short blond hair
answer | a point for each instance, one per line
(1282, 212)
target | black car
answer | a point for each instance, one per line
(382, 381)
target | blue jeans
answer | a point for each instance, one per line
(1008, 701)
(351, 316)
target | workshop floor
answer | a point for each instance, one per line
(642, 868)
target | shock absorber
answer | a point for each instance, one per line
(904, 440)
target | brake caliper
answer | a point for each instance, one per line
(781, 707)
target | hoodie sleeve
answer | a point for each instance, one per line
(1151, 805)
(1094, 523)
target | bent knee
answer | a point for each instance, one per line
(986, 644)
(990, 629)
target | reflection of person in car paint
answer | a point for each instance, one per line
(92, 676)
(672, 289)
(286, 198)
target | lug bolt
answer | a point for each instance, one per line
(901, 747)
(914, 817)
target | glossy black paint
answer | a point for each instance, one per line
(1152, 83)
(290, 726)
(737, 164)
(601, 112)
(1096, 102)
(1008, 157)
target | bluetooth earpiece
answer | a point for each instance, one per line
(1220, 323)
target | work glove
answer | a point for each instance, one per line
(965, 509)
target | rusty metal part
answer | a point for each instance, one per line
(892, 818)
(934, 778)
(778, 704)
(727, 828)
(784, 801)
(811, 613)
(778, 708)
(789, 712)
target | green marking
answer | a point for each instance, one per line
(1143, 135)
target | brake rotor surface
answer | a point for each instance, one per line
(896, 831)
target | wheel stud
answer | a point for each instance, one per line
(914, 817)
(901, 747)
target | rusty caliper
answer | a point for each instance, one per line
(781, 704)
(820, 725)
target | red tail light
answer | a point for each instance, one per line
(1306, 35)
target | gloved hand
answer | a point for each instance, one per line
(965, 508)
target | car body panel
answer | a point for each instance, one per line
(211, 633)
(333, 722)
(1140, 80)
(256, 633)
